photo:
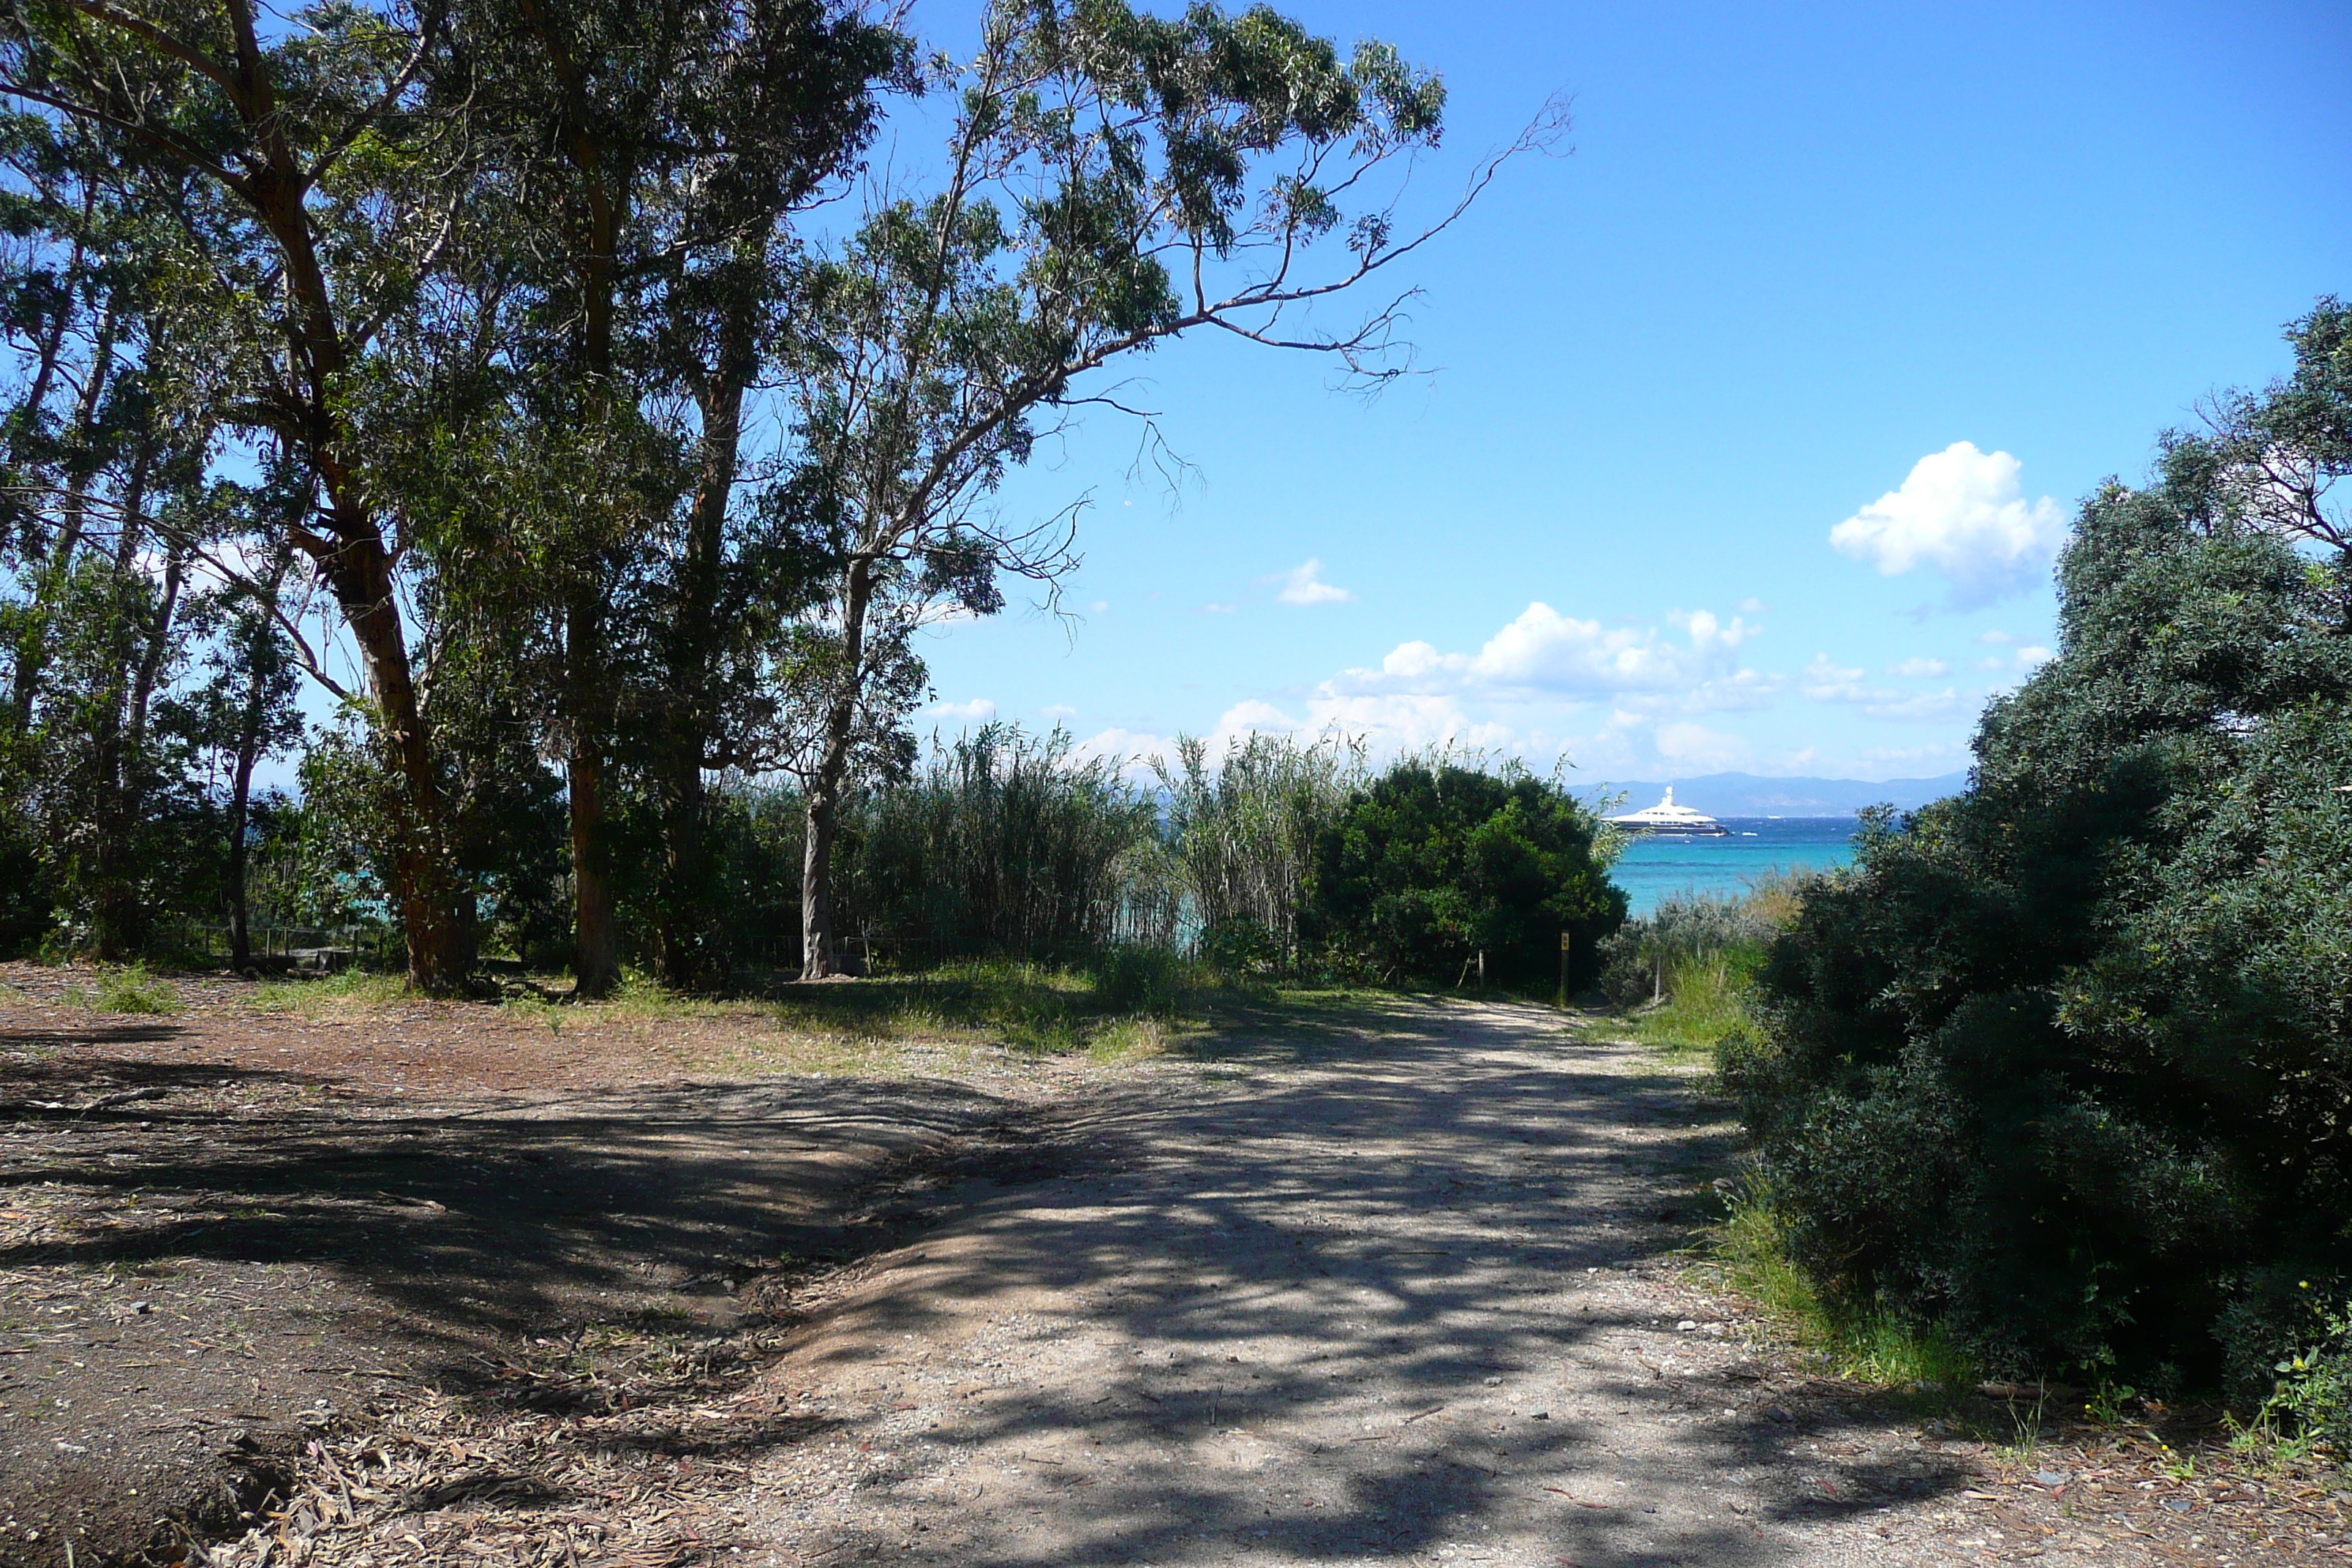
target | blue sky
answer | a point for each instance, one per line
(1798, 255)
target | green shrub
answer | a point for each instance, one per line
(2061, 1061)
(1136, 978)
(1857, 1340)
(1440, 868)
(130, 989)
(2307, 1373)
(1695, 936)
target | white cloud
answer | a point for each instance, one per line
(1962, 512)
(1099, 605)
(979, 711)
(1693, 748)
(1303, 585)
(1826, 682)
(1542, 653)
(1948, 703)
(1926, 761)
(1751, 605)
(1920, 669)
(2028, 657)
(1219, 609)
(1059, 711)
(1998, 638)
(1994, 663)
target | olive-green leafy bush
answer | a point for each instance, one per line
(1435, 869)
(2066, 1060)
(1640, 959)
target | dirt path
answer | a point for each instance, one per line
(1402, 1298)
(1392, 1283)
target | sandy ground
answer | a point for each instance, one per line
(1406, 1282)
(1406, 1299)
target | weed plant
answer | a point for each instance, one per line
(1865, 1343)
(127, 988)
(331, 995)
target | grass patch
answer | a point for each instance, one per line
(1706, 1005)
(1750, 1250)
(128, 988)
(332, 996)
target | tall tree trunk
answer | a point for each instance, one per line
(825, 784)
(686, 952)
(151, 666)
(359, 570)
(597, 938)
(120, 727)
(240, 930)
(32, 651)
(250, 720)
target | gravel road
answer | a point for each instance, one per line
(1406, 1295)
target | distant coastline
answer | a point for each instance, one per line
(1752, 794)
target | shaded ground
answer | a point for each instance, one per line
(1396, 1282)
(225, 1232)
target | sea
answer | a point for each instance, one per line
(1658, 866)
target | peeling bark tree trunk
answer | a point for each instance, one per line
(595, 933)
(686, 950)
(832, 772)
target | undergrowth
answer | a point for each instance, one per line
(1699, 961)
(353, 990)
(1861, 1343)
(1703, 1005)
(127, 988)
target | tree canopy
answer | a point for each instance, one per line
(2068, 1058)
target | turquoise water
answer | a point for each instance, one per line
(1656, 867)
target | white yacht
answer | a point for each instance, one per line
(1667, 817)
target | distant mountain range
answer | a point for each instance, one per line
(1745, 794)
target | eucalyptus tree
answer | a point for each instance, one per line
(649, 159)
(102, 471)
(309, 202)
(1111, 180)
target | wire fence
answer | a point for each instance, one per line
(324, 948)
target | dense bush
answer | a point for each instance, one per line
(1437, 871)
(1641, 959)
(2067, 1060)
(1007, 845)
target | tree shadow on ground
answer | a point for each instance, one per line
(503, 1216)
(1310, 1283)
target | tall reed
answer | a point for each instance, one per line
(1009, 844)
(1244, 836)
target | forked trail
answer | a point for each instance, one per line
(1398, 1296)
(1397, 1282)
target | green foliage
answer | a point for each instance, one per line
(1137, 978)
(128, 988)
(1242, 837)
(1855, 1340)
(2309, 1405)
(1437, 869)
(2062, 1061)
(1005, 844)
(1694, 939)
